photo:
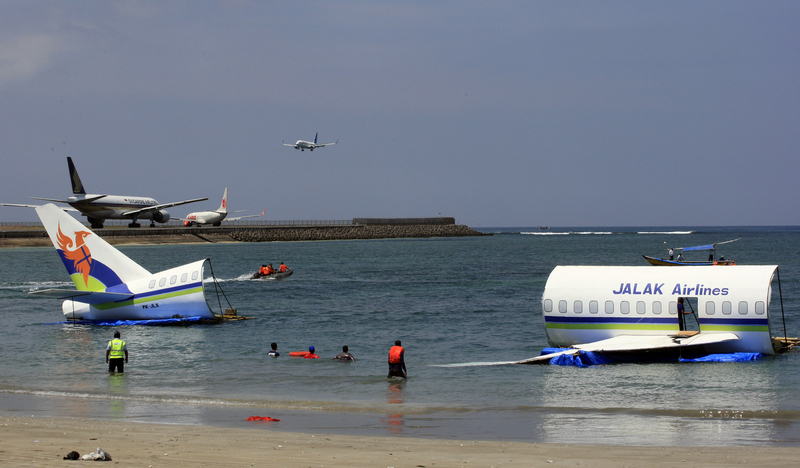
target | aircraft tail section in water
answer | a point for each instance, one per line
(110, 286)
(77, 186)
(92, 263)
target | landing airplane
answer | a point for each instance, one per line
(110, 286)
(98, 208)
(215, 218)
(303, 145)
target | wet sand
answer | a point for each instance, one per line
(28, 441)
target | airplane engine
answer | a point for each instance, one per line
(161, 216)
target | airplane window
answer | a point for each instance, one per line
(194, 275)
(162, 281)
(656, 307)
(609, 307)
(760, 307)
(184, 277)
(641, 308)
(710, 308)
(548, 305)
(173, 279)
(743, 308)
(592, 307)
(577, 307)
(726, 308)
(562, 306)
(152, 284)
(673, 307)
(625, 307)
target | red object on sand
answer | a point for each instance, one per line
(298, 353)
(261, 418)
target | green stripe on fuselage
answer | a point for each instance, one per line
(156, 298)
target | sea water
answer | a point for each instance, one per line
(468, 301)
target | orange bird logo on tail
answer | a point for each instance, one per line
(80, 254)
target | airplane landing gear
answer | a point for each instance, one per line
(152, 224)
(95, 223)
(134, 225)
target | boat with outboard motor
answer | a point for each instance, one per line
(274, 275)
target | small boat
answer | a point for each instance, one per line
(680, 262)
(666, 262)
(544, 228)
(275, 275)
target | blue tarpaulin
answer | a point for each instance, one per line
(118, 323)
(732, 357)
(699, 247)
(588, 358)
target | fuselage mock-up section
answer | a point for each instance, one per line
(110, 286)
(617, 309)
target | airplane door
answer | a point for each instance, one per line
(687, 311)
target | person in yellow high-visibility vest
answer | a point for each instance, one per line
(116, 354)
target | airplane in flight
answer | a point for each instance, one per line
(215, 218)
(98, 208)
(303, 145)
(110, 286)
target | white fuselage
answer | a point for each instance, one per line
(114, 206)
(585, 304)
(177, 292)
(205, 217)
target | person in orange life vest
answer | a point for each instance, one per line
(282, 268)
(269, 270)
(263, 270)
(311, 354)
(397, 363)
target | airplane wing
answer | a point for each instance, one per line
(638, 343)
(287, 144)
(326, 144)
(87, 297)
(163, 205)
(34, 206)
(85, 200)
(243, 217)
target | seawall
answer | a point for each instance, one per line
(187, 235)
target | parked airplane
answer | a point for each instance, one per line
(215, 218)
(303, 145)
(98, 208)
(111, 286)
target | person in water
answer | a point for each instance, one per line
(311, 354)
(274, 351)
(344, 356)
(116, 354)
(397, 363)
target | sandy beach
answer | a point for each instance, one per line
(28, 441)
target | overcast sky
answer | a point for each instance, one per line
(496, 113)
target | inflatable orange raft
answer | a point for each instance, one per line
(298, 353)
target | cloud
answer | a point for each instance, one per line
(26, 56)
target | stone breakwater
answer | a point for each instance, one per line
(353, 232)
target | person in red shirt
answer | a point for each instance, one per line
(311, 354)
(282, 268)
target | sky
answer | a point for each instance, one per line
(503, 113)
